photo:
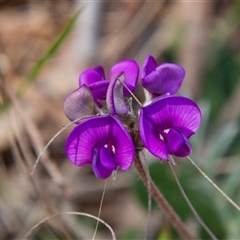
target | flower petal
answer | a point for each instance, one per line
(172, 119)
(167, 78)
(185, 150)
(99, 91)
(100, 171)
(131, 71)
(101, 72)
(149, 65)
(178, 144)
(79, 103)
(185, 131)
(174, 141)
(95, 80)
(122, 141)
(85, 137)
(115, 101)
(174, 111)
(89, 76)
(151, 138)
(102, 155)
(107, 159)
(100, 131)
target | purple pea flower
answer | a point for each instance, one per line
(166, 125)
(161, 80)
(95, 80)
(103, 142)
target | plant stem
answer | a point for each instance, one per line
(199, 219)
(161, 201)
(213, 184)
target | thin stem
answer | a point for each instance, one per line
(149, 199)
(135, 98)
(214, 185)
(161, 201)
(26, 236)
(100, 209)
(190, 204)
(52, 139)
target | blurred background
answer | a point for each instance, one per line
(44, 46)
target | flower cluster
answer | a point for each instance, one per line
(101, 108)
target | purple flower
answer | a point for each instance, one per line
(166, 125)
(160, 80)
(103, 142)
(95, 80)
(91, 75)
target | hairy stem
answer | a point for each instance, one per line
(161, 201)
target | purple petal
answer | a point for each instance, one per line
(88, 77)
(101, 72)
(124, 148)
(174, 141)
(167, 78)
(103, 163)
(99, 91)
(185, 131)
(100, 131)
(115, 101)
(172, 120)
(100, 171)
(94, 79)
(178, 144)
(151, 137)
(107, 159)
(149, 65)
(79, 103)
(174, 111)
(131, 71)
(85, 137)
(185, 150)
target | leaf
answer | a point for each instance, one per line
(49, 54)
(31, 77)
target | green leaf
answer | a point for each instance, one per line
(49, 54)
(31, 77)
